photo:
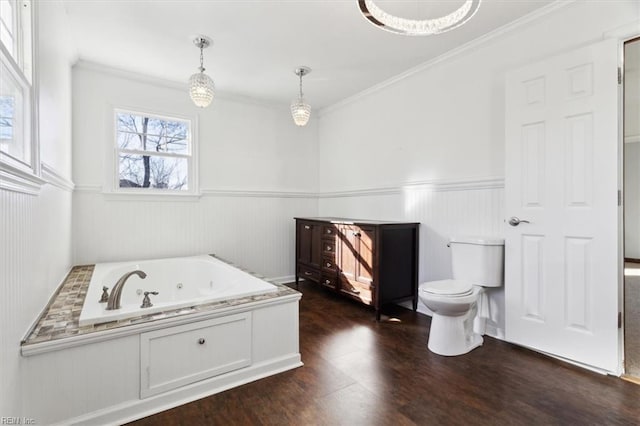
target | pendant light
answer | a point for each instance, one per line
(201, 87)
(300, 110)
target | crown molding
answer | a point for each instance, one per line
(182, 86)
(470, 46)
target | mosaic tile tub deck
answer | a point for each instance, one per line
(60, 319)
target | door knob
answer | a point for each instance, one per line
(514, 221)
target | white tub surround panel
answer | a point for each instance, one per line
(108, 383)
(257, 233)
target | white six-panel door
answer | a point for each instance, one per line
(561, 276)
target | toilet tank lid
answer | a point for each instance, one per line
(482, 240)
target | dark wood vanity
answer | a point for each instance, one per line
(373, 262)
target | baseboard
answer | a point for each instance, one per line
(283, 280)
(137, 409)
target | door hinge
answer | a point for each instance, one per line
(619, 197)
(619, 75)
(619, 319)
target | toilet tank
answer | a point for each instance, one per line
(479, 260)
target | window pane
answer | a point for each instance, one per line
(7, 26)
(152, 134)
(149, 171)
(13, 135)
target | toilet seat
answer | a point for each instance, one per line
(448, 288)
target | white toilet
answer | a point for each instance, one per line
(477, 262)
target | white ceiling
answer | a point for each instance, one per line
(258, 43)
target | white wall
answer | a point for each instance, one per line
(444, 124)
(35, 230)
(257, 171)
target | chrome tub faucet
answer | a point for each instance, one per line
(116, 292)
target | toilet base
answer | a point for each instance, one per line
(453, 335)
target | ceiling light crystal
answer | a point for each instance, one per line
(416, 27)
(201, 87)
(300, 110)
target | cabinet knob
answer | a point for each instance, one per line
(307, 227)
(201, 340)
(328, 248)
(327, 282)
(328, 231)
(328, 265)
(356, 234)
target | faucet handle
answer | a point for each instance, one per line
(146, 302)
(105, 295)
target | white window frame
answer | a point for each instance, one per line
(147, 193)
(23, 174)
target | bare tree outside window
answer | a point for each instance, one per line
(153, 152)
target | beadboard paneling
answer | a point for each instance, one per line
(35, 254)
(442, 214)
(255, 232)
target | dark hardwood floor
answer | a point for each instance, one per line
(359, 372)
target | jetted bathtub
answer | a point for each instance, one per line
(180, 283)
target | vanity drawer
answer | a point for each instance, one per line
(329, 231)
(308, 273)
(177, 356)
(329, 280)
(328, 248)
(329, 265)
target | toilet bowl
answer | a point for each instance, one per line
(477, 263)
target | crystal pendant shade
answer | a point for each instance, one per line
(201, 89)
(300, 111)
(416, 27)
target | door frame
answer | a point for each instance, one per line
(623, 35)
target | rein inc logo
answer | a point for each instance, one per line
(17, 421)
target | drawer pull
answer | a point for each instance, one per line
(357, 234)
(201, 340)
(327, 282)
(328, 231)
(307, 227)
(308, 273)
(328, 265)
(328, 248)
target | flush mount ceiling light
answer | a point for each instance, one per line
(417, 27)
(300, 110)
(201, 87)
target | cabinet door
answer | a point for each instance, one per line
(309, 243)
(348, 252)
(356, 261)
(366, 237)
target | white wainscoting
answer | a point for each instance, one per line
(444, 209)
(35, 255)
(253, 230)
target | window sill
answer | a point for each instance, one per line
(19, 179)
